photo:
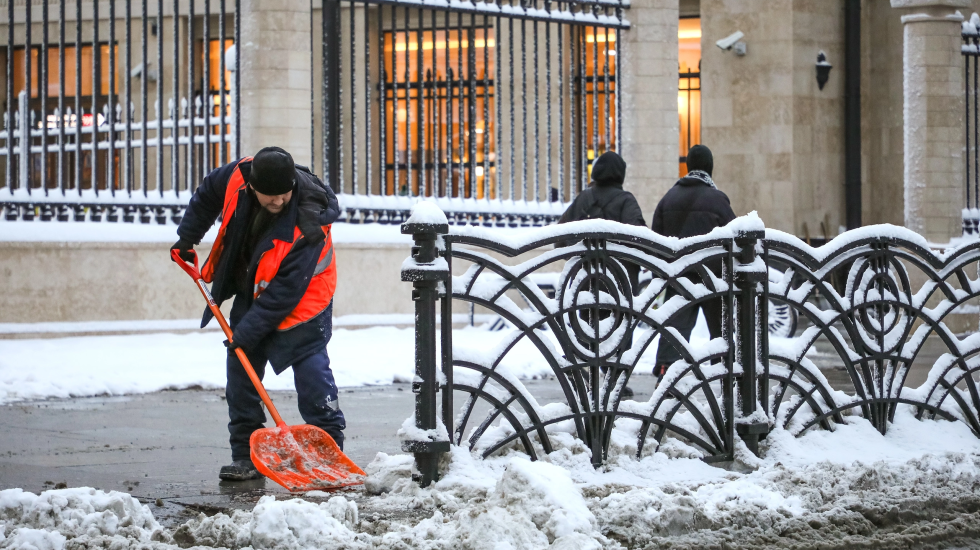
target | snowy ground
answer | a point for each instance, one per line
(142, 363)
(918, 487)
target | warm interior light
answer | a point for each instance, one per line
(600, 37)
(688, 94)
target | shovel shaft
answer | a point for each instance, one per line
(195, 274)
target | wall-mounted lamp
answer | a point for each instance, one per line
(733, 42)
(823, 69)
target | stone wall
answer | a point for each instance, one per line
(818, 121)
(747, 106)
(275, 58)
(649, 85)
(882, 141)
(54, 282)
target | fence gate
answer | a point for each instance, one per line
(496, 109)
(115, 108)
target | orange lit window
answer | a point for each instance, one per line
(689, 86)
(599, 54)
(53, 84)
(445, 112)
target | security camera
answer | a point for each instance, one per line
(730, 40)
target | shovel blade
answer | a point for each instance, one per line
(303, 458)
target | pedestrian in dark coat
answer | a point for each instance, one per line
(274, 254)
(693, 206)
(605, 199)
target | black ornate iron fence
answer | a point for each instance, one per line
(115, 109)
(868, 303)
(494, 109)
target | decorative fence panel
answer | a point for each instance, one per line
(869, 300)
(115, 108)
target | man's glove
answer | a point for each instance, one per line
(232, 346)
(186, 250)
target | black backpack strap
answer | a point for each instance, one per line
(601, 206)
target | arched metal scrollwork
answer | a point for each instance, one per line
(863, 306)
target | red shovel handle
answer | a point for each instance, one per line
(195, 273)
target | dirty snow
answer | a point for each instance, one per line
(919, 486)
(143, 363)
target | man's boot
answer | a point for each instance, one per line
(239, 470)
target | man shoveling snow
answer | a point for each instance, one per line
(274, 254)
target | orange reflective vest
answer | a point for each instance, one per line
(322, 285)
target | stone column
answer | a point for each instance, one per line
(933, 111)
(649, 88)
(276, 79)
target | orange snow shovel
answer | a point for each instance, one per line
(300, 458)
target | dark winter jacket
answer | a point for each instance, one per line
(604, 202)
(254, 321)
(691, 207)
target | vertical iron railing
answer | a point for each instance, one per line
(971, 69)
(82, 140)
(467, 104)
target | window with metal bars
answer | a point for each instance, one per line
(152, 95)
(437, 104)
(494, 110)
(598, 104)
(689, 86)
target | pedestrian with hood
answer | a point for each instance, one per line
(274, 254)
(605, 199)
(693, 206)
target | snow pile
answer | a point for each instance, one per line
(427, 212)
(275, 525)
(918, 486)
(90, 518)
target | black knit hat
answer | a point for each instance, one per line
(609, 169)
(273, 172)
(700, 158)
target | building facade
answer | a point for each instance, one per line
(115, 110)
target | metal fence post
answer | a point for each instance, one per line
(750, 272)
(426, 271)
(24, 140)
(331, 91)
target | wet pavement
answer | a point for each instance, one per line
(166, 448)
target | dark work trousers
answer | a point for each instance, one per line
(315, 388)
(684, 322)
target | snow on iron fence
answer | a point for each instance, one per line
(868, 302)
(116, 114)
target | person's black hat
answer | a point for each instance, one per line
(609, 169)
(273, 172)
(699, 158)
